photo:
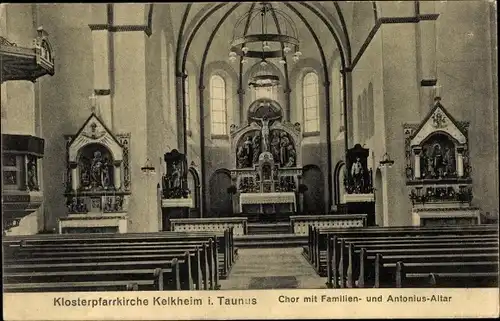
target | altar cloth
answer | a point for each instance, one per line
(267, 198)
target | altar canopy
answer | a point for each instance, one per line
(267, 166)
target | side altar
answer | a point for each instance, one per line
(438, 170)
(267, 168)
(97, 180)
(176, 198)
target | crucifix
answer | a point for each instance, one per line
(93, 102)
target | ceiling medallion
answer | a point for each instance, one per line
(264, 33)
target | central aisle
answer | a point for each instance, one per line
(272, 268)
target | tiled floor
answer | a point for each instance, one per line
(272, 268)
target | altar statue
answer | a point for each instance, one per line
(265, 130)
(97, 169)
(357, 174)
(256, 149)
(175, 177)
(437, 161)
(275, 146)
(284, 143)
(291, 156)
(32, 175)
(242, 157)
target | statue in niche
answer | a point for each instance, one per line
(99, 171)
(108, 207)
(284, 143)
(275, 146)
(175, 176)
(118, 203)
(241, 157)
(357, 175)
(77, 206)
(291, 156)
(256, 148)
(265, 130)
(266, 172)
(32, 174)
(449, 162)
(174, 181)
(437, 159)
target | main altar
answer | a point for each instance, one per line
(267, 168)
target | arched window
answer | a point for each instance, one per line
(187, 103)
(310, 95)
(218, 104)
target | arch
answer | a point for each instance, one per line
(149, 18)
(194, 179)
(375, 11)
(338, 174)
(221, 204)
(314, 200)
(272, 106)
(210, 10)
(379, 199)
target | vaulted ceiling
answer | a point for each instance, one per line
(205, 29)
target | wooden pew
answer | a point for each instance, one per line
(78, 248)
(80, 286)
(354, 262)
(408, 275)
(224, 241)
(448, 280)
(318, 237)
(321, 257)
(368, 275)
(75, 253)
(97, 276)
(101, 280)
(198, 263)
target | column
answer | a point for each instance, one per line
(117, 174)
(460, 162)
(102, 66)
(287, 92)
(416, 166)
(74, 176)
(241, 97)
(181, 110)
(203, 204)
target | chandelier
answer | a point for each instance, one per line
(264, 33)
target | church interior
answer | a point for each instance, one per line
(254, 132)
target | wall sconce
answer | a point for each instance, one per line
(148, 168)
(386, 161)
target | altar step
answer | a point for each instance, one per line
(270, 240)
(269, 228)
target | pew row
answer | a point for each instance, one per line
(411, 256)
